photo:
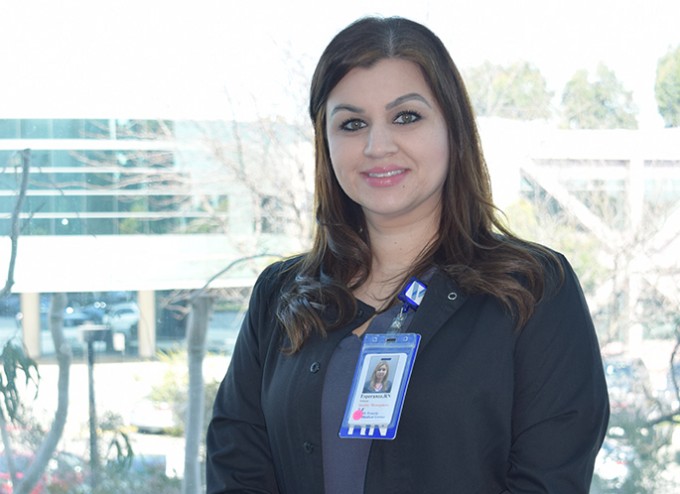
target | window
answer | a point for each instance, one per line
(9, 129)
(270, 216)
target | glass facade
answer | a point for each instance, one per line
(99, 177)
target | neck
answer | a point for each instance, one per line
(395, 248)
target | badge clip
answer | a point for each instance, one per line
(411, 295)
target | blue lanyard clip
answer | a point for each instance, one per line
(411, 295)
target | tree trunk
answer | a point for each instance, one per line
(49, 444)
(94, 448)
(196, 336)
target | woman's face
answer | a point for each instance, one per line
(388, 141)
(380, 373)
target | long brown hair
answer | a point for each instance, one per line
(473, 246)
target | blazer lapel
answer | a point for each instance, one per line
(442, 299)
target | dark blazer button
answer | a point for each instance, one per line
(308, 447)
(314, 368)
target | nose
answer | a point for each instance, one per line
(380, 142)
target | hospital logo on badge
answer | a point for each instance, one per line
(413, 293)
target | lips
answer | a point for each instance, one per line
(385, 176)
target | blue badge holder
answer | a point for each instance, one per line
(374, 413)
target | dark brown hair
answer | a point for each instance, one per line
(473, 246)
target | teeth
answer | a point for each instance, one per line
(385, 174)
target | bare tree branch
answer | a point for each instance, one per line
(15, 230)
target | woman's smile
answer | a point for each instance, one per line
(385, 177)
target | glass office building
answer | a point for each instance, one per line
(96, 177)
(131, 211)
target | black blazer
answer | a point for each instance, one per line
(489, 409)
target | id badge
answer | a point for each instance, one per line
(379, 386)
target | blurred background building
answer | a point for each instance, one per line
(124, 215)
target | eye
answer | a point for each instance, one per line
(407, 117)
(352, 125)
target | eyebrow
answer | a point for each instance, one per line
(349, 108)
(400, 100)
(405, 98)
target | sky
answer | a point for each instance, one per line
(244, 59)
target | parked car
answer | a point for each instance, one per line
(74, 318)
(123, 319)
(10, 305)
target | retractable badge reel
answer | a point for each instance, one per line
(382, 375)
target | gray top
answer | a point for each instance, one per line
(345, 460)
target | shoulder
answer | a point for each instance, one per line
(563, 300)
(529, 256)
(261, 327)
(560, 284)
(268, 287)
(559, 275)
(277, 275)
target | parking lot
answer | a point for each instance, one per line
(120, 386)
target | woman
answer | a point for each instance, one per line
(379, 382)
(507, 393)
